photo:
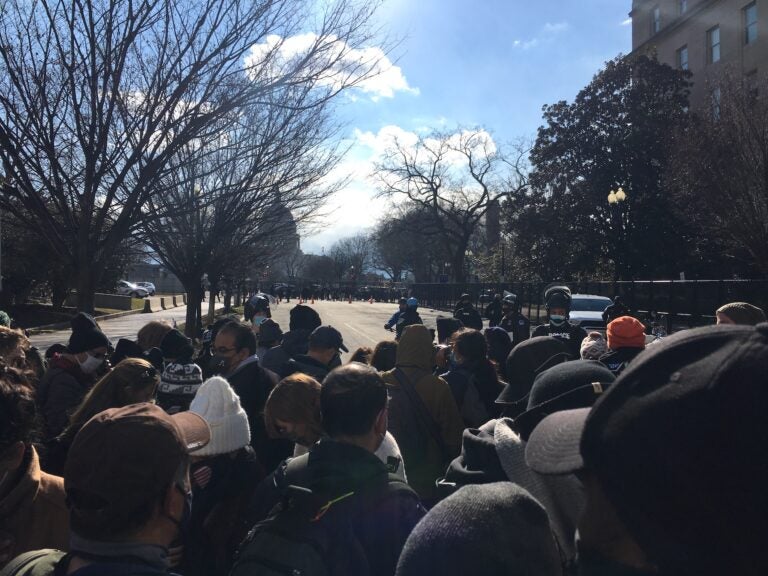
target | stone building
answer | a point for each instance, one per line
(707, 37)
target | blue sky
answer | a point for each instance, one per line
(464, 63)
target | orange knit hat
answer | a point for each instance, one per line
(626, 332)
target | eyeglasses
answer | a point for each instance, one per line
(223, 350)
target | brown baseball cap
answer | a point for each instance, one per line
(124, 456)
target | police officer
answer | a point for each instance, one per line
(494, 311)
(467, 314)
(409, 317)
(257, 311)
(557, 300)
(513, 321)
(392, 322)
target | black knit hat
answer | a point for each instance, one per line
(177, 346)
(566, 386)
(678, 446)
(304, 318)
(494, 529)
(525, 361)
(269, 332)
(86, 334)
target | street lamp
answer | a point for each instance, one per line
(616, 201)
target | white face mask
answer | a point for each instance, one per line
(91, 364)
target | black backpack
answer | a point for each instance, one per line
(308, 534)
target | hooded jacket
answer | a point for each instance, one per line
(415, 355)
(60, 392)
(34, 513)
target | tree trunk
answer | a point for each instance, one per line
(85, 289)
(194, 297)
(212, 302)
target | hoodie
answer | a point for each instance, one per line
(415, 357)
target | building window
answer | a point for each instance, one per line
(656, 20)
(716, 103)
(713, 41)
(750, 23)
(682, 6)
(682, 58)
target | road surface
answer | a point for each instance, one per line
(360, 323)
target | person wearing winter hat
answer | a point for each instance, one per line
(494, 529)
(740, 313)
(673, 458)
(303, 321)
(496, 451)
(626, 339)
(593, 346)
(499, 347)
(72, 373)
(5, 320)
(181, 377)
(235, 359)
(127, 489)
(525, 361)
(269, 336)
(224, 475)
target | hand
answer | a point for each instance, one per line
(175, 555)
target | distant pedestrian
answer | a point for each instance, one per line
(615, 310)
(467, 313)
(740, 313)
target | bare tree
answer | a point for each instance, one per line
(454, 177)
(233, 203)
(97, 97)
(719, 173)
(351, 256)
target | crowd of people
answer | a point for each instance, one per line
(459, 450)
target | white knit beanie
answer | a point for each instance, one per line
(218, 404)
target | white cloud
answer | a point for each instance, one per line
(369, 68)
(547, 34)
(627, 22)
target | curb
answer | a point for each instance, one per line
(64, 325)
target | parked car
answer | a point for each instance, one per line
(126, 288)
(148, 285)
(587, 311)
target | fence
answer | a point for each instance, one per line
(678, 303)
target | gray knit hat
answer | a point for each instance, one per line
(742, 313)
(490, 529)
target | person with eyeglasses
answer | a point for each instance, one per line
(72, 373)
(234, 358)
(132, 381)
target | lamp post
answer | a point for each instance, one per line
(617, 202)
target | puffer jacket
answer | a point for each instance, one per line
(60, 392)
(415, 355)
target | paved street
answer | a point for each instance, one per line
(116, 328)
(360, 323)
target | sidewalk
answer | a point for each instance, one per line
(123, 327)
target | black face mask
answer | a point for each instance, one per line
(184, 523)
(218, 364)
(335, 361)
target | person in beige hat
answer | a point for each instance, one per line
(740, 313)
(224, 476)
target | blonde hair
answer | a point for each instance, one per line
(133, 380)
(151, 334)
(294, 399)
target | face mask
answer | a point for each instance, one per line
(452, 360)
(218, 364)
(557, 319)
(258, 320)
(186, 516)
(91, 364)
(335, 362)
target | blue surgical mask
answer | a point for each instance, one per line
(258, 320)
(557, 319)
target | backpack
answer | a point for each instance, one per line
(48, 562)
(410, 421)
(307, 534)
